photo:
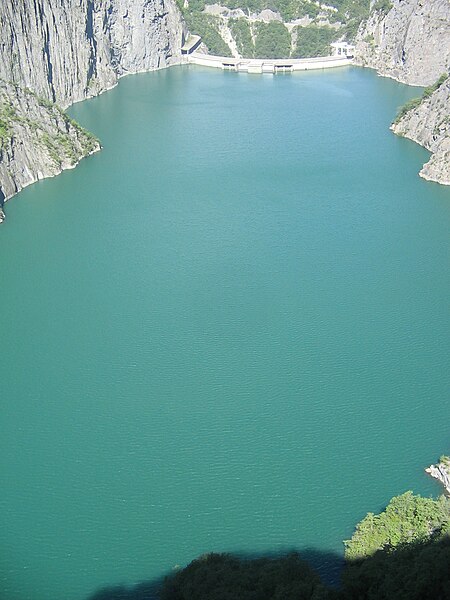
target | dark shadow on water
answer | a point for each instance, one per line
(147, 590)
(328, 565)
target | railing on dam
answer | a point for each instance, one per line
(255, 65)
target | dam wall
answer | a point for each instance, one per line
(266, 65)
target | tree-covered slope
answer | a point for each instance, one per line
(273, 28)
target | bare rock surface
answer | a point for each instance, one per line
(410, 43)
(69, 50)
(441, 472)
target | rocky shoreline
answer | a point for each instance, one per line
(428, 123)
(441, 472)
(410, 43)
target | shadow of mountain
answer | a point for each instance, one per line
(419, 571)
(147, 590)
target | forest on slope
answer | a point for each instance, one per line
(275, 28)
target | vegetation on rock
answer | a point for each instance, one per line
(241, 32)
(383, 6)
(415, 102)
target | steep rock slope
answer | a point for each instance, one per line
(63, 51)
(428, 124)
(410, 42)
(68, 50)
(37, 140)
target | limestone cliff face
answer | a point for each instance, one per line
(428, 124)
(62, 51)
(411, 43)
(68, 50)
(37, 140)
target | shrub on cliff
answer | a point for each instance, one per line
(415, 102)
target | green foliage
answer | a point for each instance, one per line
(206, 26)
(350, 13)
(272, 40)
(224, 577)
(5, 133)
(382, 6)
(428, 91)
(314, 41)
(43, 102)
(415, 102)
(273, 37)
(7, 116)
(417, 571)
(410, 105)
(295, 9)
(240, 30)
(407, 519)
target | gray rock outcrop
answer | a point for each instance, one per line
(441, 472)
(410, 43)
(428, 124)
(64, 51)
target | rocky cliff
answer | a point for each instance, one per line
(37, 140)
(64, 51)
(68, 50)
(408, 40)
(428, 123)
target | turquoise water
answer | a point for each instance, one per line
(226, 331)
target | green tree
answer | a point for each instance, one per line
(314, 41)
(272, 40)
(407, 518)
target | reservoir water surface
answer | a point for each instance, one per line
(228, 331)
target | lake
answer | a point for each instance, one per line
(227, 331)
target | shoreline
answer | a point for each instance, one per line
(240, 65)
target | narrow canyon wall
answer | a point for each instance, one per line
(68, 50)
(64, 51)
(411, 42)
